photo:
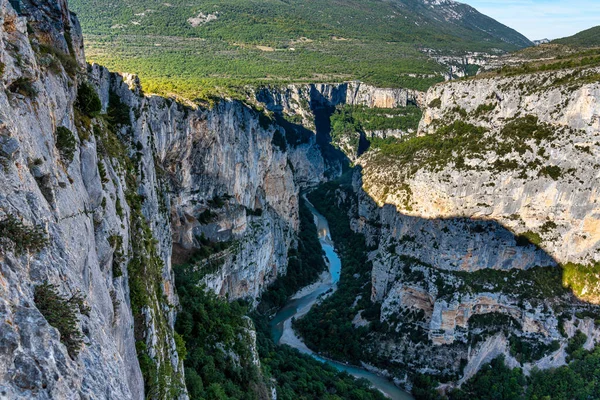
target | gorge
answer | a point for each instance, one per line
(281, 323)
(152, 247)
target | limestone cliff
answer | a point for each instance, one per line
(62, 198)
(302, 99)
(99, 200)
(485, 218)
(532, 169)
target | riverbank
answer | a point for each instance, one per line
(301, 302)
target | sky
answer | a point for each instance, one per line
(539, 19)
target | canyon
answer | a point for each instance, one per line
(492, 211)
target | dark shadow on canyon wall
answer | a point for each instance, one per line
(473, 246)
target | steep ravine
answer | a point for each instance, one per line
(301, 303)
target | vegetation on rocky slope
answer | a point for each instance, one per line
(360, 118)
(351, 124)
(577, 380)
(215, 338)
(218, 362)
(467, 147)
(19, 237)
(548, 58)
(62, 313)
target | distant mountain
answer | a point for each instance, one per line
(587, 38)
(446, 13)
(181, 45)
(541, 41)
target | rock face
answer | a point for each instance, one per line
(63, 198)
(114, 200)
(300, 99)
(553, 181)
(223, 154)
(459, 234)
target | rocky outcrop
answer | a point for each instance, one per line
(300, 99)
(547, 187)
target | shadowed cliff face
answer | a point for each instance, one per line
(524, 155)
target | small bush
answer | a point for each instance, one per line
(102, 172)
(576, 342)
(207, 216)
(24, 86)
(435, 103)
(257, 212)
(119, 208)
(529, 238)
(23, 237)
(87, 100)
(484, 109)
(264, 120)
(219, 201)
(583, 280)
(69, 63)
(116, 242)
(551, 171)
(529, 350)
(66, 143)
(61, 313)
(180, 346)
(118, 112)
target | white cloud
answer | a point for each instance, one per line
(538, 19)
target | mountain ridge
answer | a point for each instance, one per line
(587, 38)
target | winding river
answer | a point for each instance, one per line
(301, 303)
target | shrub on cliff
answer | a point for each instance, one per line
(87, 100)
(61, 313)
(65, 143)
(279, 141)
(23, 238)
(118, 112)
(24, 86)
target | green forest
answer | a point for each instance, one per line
(191, 47)
(349, 122)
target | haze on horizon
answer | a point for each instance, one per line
(539, 19)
